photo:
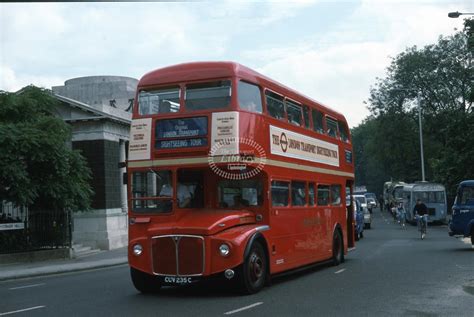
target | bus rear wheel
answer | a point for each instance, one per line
(253, 272)
(143, 282)
(337, 248)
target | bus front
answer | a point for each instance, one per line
(192, 213)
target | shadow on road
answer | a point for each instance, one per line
(221, 288)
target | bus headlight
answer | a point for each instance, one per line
(224, 249)
(137, 249)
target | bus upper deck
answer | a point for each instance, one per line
(187, 109)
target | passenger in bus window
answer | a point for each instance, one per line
(251, 106)
(166, 190)
(239, 202)
(185, 194)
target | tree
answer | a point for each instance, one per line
(38, 168)
(442, 74)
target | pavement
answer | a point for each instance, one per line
(102, 259)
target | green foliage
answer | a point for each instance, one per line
(386, 144)
(37, 167)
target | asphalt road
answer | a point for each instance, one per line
(391, 273)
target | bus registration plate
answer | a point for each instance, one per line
(177, 280)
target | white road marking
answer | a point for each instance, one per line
(21, 310)
(340, 271)
(243, 308)
(26, 286)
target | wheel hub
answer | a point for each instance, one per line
(256, 267)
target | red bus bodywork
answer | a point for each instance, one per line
(291, 236)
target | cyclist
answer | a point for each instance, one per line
(421, 212)
(401, 214)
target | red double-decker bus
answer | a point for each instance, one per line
(231, 173)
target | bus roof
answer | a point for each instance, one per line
(468, 182)
(426, 186)
(208, 70)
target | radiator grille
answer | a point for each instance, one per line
(181, 255)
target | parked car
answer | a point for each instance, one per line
(371, 204)
(373, 196)
(462, 221)
(367, 216)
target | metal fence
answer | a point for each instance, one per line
(24, 230)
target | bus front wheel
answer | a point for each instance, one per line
(144, 283)
(253, 271)
(337, 248)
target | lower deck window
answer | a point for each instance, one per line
(323, 195)
(190, 189)
(240, 193)
(280, 192)
(152, 191)
(298, 193)
(335, 195)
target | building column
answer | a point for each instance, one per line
(123, 187)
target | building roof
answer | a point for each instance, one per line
(96, 111)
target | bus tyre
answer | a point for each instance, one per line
(472, 236)
(145, 283)
(253, 272)
(337, 248)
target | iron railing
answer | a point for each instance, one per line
(24, 230)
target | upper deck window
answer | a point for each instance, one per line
(306, 116)
(294, 113)
(211, 95)
(158, 101)
(275, 105)
(343, 131)
(331, 125)
(250, 97)
(318, 121)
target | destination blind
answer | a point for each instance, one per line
(181, 133)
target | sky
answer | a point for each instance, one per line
(331, 51)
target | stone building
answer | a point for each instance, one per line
(98, 108)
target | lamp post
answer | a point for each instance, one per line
(457, 14)
(418, 103)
